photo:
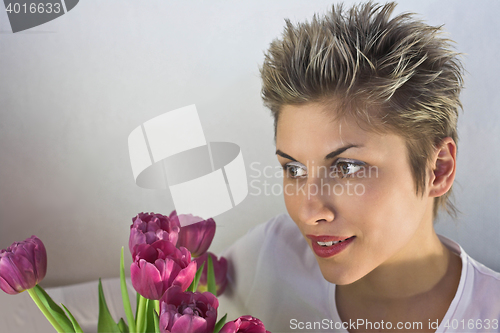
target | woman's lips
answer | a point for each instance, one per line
(326, 238)
(329, 251)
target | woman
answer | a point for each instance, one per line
(365, 111)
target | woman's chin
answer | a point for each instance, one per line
(339, 274)
(339, 277)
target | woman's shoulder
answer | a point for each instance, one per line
(478, 294)
(482, 288)
(476, 271)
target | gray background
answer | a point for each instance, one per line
(73, 89)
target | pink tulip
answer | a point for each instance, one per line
(196, 237)
(22, 265)
(160, 265)
(220, 270)
(244, 324)
(147, 228)
(187, 312)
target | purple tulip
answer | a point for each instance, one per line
(160, 265)
(196, 237)
(244, 324)
(147, 228)
(187, 312)
(22, 265)
(220, 270)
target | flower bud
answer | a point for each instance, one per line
(187, 312)
(160, 265)
(220, 271)
(22, 265)
(147, 228)
(196, 237)
(244, 324)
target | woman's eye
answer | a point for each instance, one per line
(345, 168)
(295, 170)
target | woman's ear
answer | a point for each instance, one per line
(443, 167)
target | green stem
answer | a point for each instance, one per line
(157, 316)
(141, 314)
(157, 306)
(45, 311)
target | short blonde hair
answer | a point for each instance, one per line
(398, 75)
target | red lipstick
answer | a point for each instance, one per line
(329, 251)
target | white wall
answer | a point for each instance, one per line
(73, 89)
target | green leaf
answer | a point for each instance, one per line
(220, 323)
(196, 281)
(125, 298)
(122, 326)
(211, 277)
(54, 309)
(105, 323)
(76, 326)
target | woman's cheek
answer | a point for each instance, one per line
(292, 200)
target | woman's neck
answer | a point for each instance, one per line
(409, 273)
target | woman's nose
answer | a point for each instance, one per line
(316, 203)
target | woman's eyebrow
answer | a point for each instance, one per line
(340, 151)
(282, 154)
(330, 155)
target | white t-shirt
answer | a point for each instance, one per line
(274, 276)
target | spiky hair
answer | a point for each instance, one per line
(399, 75)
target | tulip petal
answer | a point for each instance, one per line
(26, 251)
(168, 270)
(166, 249)
(40, 258)
(146, 279)
(189, 324)
(196, 237)
(174, 295)
(146, 252)
(185, 254)
(136, 237)
(186, 276)
(150, 237)
(211, 299)
(173, 237)
(173, 215)
(209, 234)
(5, 286)
(165, 320)
(21, 273)
(230, 327)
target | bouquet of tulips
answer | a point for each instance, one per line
(176, 279)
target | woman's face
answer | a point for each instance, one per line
(342, 183)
